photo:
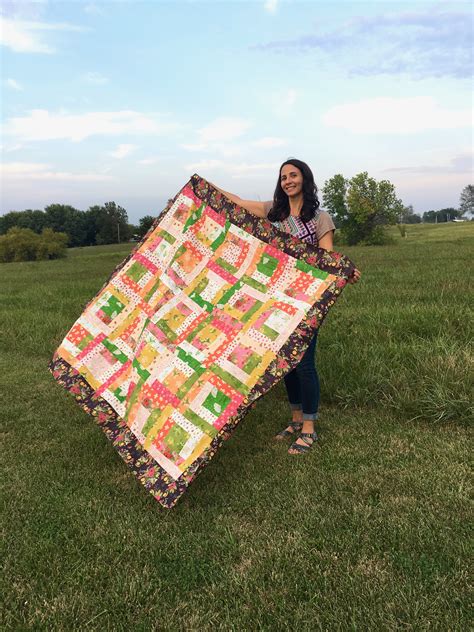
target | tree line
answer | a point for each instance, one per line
(98, 225)
(466, 207)
(362, 207)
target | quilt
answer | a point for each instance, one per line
(206, 314)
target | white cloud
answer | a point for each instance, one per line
(224, 149)
(388, 115)
(223, 129)
(24, 36)
(230, 150)
(245, 169)
(122, 151)
(95, 78)
(10, 148)
(204, 165)
(13, 84)
(216, 137)
(148, 161)
(44, 125)
(459, 164)
(269, 142)
(433, 42)
(236, 170)
(270, 5)
(41, 171)
(195, 147)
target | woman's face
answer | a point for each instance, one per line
(291, 180)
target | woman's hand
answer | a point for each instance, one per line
(355, 277)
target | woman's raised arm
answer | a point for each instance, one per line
(253, 206)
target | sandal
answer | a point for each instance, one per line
(296, 425)
(301, 449)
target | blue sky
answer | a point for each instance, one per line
(125, 100)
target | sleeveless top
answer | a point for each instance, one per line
(311, 231)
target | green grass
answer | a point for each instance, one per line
(402, 338)
(367, 532)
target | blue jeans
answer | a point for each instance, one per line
(302, 384)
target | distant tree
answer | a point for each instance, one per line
(52, 245)
(441, 216)
(36, 220)
(9, 220)
(90, 224)
(429, 217)
(362, 207)
(67, 219)
(111, 224)
(408, 216)
(144, 225)
(23, 244)
(98, 225)
(448, 214)
(133, 230)
(18, 244)
(466, 201)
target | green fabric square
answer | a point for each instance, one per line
(82, 344)
(268, 331)
(226, 265)
(197, 298)
(176, 439)
(267, 265)
(113, 307)
(252, 362)
(136, 271)
(216, 402)
(315, 272)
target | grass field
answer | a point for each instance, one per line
(369, 531)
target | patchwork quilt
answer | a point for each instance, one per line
(207, 313)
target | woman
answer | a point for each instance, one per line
(295, 209)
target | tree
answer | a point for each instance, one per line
(36, 220)
(466, 200)
(91, 217)
(67, 219)
(441, 216)
(51, 245)
(334, 194)
(111, 221)
(98, 225)
(408, 216)
(362, 207)
(430, 217)
(144, 225)
(23, 244)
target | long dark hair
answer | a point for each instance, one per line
(281, 205)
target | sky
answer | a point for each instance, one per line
(125, 100)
